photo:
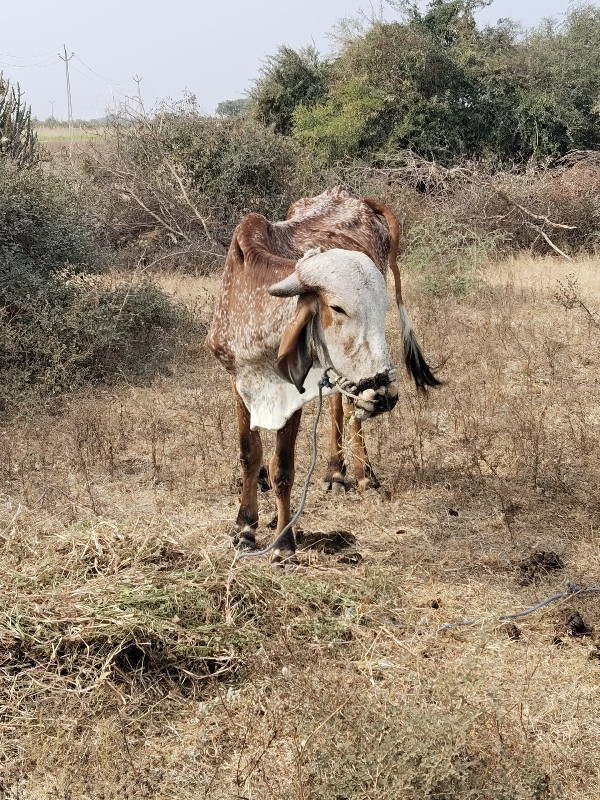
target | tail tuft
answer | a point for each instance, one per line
(413, 357)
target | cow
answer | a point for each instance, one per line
(298, 297)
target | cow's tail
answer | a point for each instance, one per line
(413, 356)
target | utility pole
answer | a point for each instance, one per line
(52, 108)
(69, 106)
(139, 94)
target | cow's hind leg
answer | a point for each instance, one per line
(281, 474)
(336, 468)
(243, 532)
(363, 471)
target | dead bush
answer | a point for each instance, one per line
(173, 185)
(553, 210)
(550, 209)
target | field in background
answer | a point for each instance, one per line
(55, 139)
(60, 133)
(136, 662)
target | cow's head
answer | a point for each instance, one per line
(339, 322)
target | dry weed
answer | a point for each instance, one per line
(135, 662)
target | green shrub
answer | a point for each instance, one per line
(180, 182)
(63, 333)
(58, 328)
(43, 227)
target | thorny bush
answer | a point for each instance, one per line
(175, 184)
(58, 327)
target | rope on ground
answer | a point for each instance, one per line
(323, 383)
(572, 590)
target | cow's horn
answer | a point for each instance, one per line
(288, 287)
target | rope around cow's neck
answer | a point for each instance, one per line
(324, 383)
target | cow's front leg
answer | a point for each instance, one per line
(336, 468)
(243, 532)
(363, 471)
(281, 474)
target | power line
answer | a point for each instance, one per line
(27, 66)
(89, 77)
(98, 75)
(26, 58)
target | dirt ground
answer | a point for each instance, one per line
(136, 662)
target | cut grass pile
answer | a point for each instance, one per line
(328, 682)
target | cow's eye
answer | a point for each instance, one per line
(339, 310)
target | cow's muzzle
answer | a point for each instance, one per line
(373, 402)
(371, 396)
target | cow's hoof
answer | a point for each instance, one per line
(335, 485)
(284, 559)
(246, 543)
(243, 538)
(368, 483)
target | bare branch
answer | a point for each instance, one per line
(529, 213)
(186, 252)
(197, 214)
(160, 220)
(548, 240)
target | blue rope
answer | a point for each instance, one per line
(572, 590)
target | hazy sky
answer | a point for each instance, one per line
(213, 49)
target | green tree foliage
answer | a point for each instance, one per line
(231, 166)
(18, 140)
(559, 107)
(436, 83)
(232, 108)
(351, 122)
(289, 79)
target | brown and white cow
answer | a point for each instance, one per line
(299, 296)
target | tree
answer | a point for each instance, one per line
(232, 108)
(392, 87)
(289, 79)
(437, 84)
(559, 104)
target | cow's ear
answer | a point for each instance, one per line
(295, 356)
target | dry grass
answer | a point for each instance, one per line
(135, 662)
